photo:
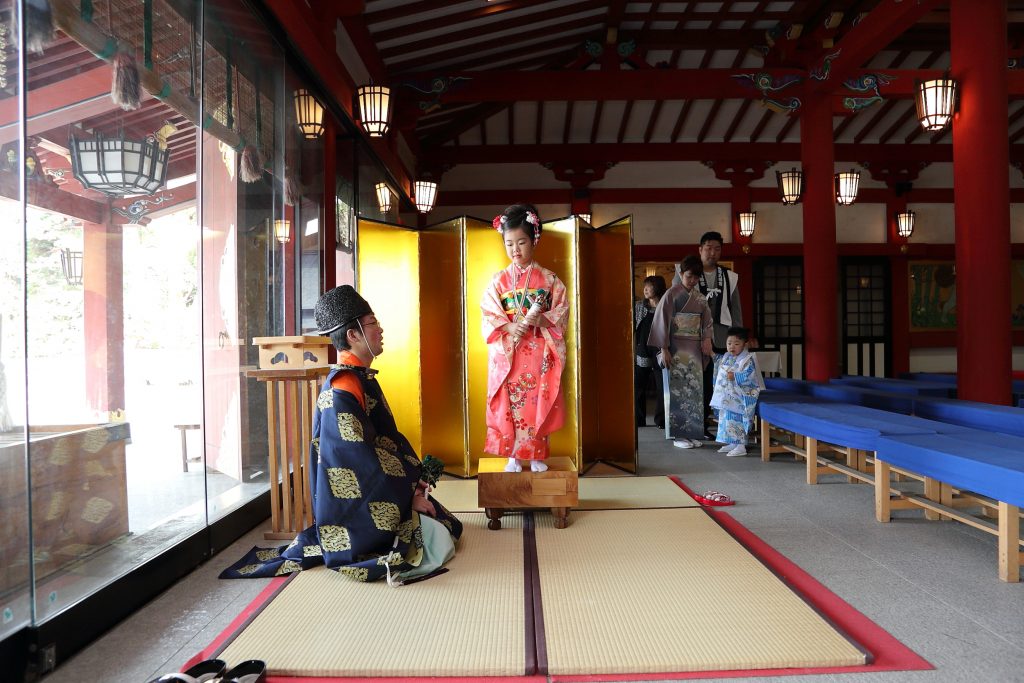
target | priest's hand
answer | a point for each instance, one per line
(422, 505)
(666, 358)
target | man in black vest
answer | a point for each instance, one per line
(718, 284)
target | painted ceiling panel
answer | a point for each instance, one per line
(611, 116)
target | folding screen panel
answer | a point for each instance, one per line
(387, 272)
(442, 348)
(605, 260)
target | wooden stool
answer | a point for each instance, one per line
(498, 490)
(184, 445)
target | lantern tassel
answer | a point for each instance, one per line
(251, 168)
(38, 25)
(125, 90)
(292, 188)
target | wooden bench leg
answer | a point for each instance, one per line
(1009, 542)
(851, 462)
(883, 511)
(946, 498)
(933, 492)
(811, 448)
(766, 441)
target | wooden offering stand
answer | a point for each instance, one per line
(498, 490)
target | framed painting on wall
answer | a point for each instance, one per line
(933, 295)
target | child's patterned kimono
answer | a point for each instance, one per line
(736, 399)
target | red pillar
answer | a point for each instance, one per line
(982, 208)
(899, 271)
(329, 232)
(820, 282)
(102, 274)
(742, 264)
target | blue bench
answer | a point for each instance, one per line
(984, 416)
(788, 384)
(900, 386)
(862, 396)
(851, 429)
(960, 470)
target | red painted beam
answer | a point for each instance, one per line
(708, 151)
(682, 195)
(886, 22)
(81, 97)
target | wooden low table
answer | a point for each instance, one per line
(498, 490)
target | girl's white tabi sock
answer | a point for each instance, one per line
(538, 466)
(513, 466)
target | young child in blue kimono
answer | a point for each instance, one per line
(737, 384)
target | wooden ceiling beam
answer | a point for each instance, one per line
(408, 11)
(573, 29)
(481, 33)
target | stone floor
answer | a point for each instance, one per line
(933, 585)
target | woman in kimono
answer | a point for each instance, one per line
(682, 330)
(525, 312)
(737, 385)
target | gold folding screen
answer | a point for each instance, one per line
(426, 286)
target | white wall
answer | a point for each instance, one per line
(944, 359)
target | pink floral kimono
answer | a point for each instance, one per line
(524, 401)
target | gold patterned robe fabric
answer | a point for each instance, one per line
(362, 477)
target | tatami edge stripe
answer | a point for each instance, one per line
(537, 610)
(239, 623)
(529, 624)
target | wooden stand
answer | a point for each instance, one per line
(498, 490)
(291, 395)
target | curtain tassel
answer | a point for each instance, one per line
(125, 90)
(251, 168)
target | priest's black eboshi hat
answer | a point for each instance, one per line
(339, 307)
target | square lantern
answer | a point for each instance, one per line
(374, 108)
(309, 115)
(748, 221)
(585, 217)
(905, 224)
(383, 197)
(425, 194)
(936, 101)
(119, 166)
(791, 185)
(283, 230)
(847, 184)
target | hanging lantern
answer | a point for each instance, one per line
(383, 197)
(905, 224)
(425, 194)
(283, 230)
(119, 166)
(308, 114)
(847, 184)
(748, 220)
(791, 185)
(936, 101)
(71, 264)
(585, 217)
(374, 109)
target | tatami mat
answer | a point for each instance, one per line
(619, 493)
(468, 621)
(670, 591)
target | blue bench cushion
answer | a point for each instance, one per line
(984, 416)
(773, 396)
(989, 464)
(793, 386)
(847, 425)
(900, 386)
(850, 393)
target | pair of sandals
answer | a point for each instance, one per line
(714, 499)
(216, 671)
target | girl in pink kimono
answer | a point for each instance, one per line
(524, 318)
